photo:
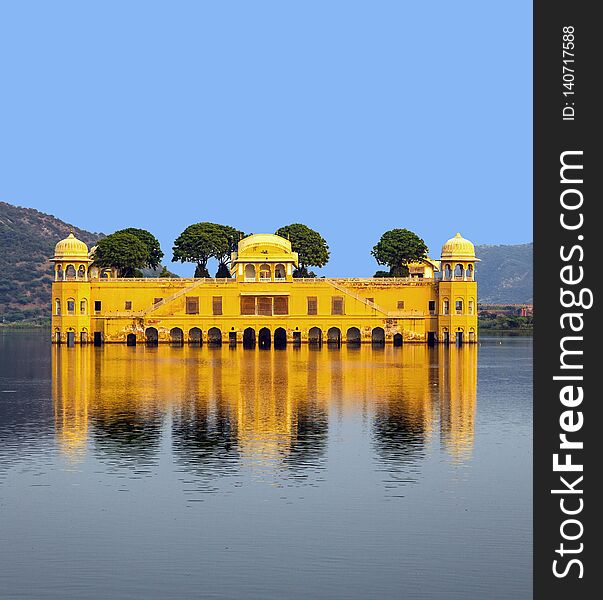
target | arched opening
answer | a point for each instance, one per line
(378, 336)
(280, 338)
(458, 306)
(458, 271)
(131, 339)
(177, 336)
(195, 337)
(279, 273)
(353, 336)
(471, 306)
(445, 306)
(70, 272)
(81, 272)
(151, 336)
(264, 338)
(70, 339)
(447, 272)
(472, 335)
(232, 339)
(57, 336)
(445, 335)
(297, 338)
(459, 337)
(214, 337)
(57, 307)
(84, 336)
(398, 339)
(334, 336)
(265, 272)
(469, 272)
(315, 336)
(249, 272)
(105, 274)
(70, 306)
(249, 338)
(83, 306)
(58, 273)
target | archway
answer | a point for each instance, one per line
(177, 336)
(131, 339)
(279, 273)
(151, 335)
(459, 337)
(71, 339)
(353, 336)
(195, 337)
(214, 337)
(378, 336)
(70, 272)
(264, 338)
(81, 272)
(398, 339)
(249, 272)
(334, 336)
(458, 271)
(280, 338)
(265, 273)
(315, 336)
(249, 338)
(84, 336)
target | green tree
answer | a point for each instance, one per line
(397, 248)
(233, 236)
(151, 242)
(311, 247)
(200, 242)
(122, 251)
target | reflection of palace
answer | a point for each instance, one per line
(265, 405)
(262, 303)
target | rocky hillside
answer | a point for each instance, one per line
(505, 275)
(27, 240)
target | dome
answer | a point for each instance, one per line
(71, 248)
(258, 241)
(458, 248)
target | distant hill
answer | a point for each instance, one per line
(27, 240)
(505, 275)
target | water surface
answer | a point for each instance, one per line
(353, 473)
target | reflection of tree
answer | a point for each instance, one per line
(127, 436)
(399, 440)
(308, 439)
(204, 441)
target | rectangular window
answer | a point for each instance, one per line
(337, 305)
(281, 305)
(247, 305)
(157, 300)
(97, 306)
(128, 305)
(312, 305)
(70, 307)
(265, 306)
(432, 307)
(217, 305)
(192, 305)
(400, 304)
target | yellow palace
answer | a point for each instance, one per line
(263, 304)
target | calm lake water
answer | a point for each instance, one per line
(352, 473)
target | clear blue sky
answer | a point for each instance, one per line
(351, 117)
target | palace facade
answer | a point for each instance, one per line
(262, 303)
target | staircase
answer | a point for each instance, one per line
(179, 293)
(368, 303)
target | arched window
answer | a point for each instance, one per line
(81, 272)
(60, 273)
(279, 273)
(469, 272)
(471, 306)
(265, 272)
(458, 271)
(458, 306)
(446, 306)
(70, 306)
(249, 272)
(57, 307)
(447, 272)
(70, 272)
(83, 306)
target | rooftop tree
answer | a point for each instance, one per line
(397, 248)
(122, 251)
(311, 247)
(154, 253)
(201, 241)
